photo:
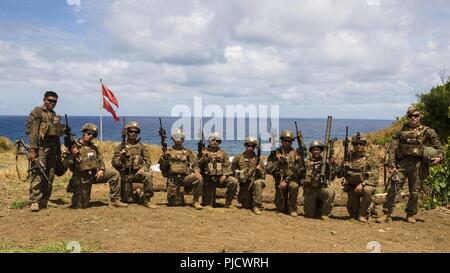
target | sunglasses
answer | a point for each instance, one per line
(253, 146)
(358, 144)
(133, 132)
(216, 140)
(90, 133)
(413, 116)
(51, 101)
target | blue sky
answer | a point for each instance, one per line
(367, 59)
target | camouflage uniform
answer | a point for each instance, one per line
(137, 157)
(406, 152)
(84, 168)
(43, 130)
(251, 180)
(213, 165)
(178, 166)
(359, 170)
(288, 168)
(318, 196)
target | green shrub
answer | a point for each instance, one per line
(5, 144)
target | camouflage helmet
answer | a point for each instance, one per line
(90, 127)
(316, 143)
(250, 141)
(429, 152)
(359, 138)
(214, 136)
(287, 135)
(412, 110)
(178, 135)
(133, 124)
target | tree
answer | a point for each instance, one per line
(435, 107)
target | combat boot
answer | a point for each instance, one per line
(325, 217)
(256, 210)
(362, 219)
(386, 217)
(116, 203)
(293, 214)
(410, 219)
(149, 204)
(228, 205)
(197, 206)
(34, 207)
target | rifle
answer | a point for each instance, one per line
(258, 151)
(23, 149)
(162, 134)
(201, 141)
(69, 141)
(301, 145)
(385, 166)
(346, 145)
(124, 134)
(327, 150)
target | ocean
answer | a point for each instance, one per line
(13, 127)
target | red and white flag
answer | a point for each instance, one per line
(108, 94)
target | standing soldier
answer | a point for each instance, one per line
(215, 167)
(318, 196)
(87, 166)
(132, 160)
(179, 165)
(44, 129)
(359, 180)
(251, 175)
(286, 165)
(413, 149)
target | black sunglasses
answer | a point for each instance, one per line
(51, 101)
(253, 146)
(359, 144)
(415, 116)
(133, 132)
(90, 133)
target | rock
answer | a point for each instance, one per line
(333, 232)
(381, 231)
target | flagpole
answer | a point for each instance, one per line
(101, 117)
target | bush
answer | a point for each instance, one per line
(438, 183)
(435, 110)
(5, 144)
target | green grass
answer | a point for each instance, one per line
(19, 204)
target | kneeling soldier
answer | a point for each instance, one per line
(359, 181)
(133, 162)
(87, 166)
(318, 196)
(250, 173)
(286, 165)
(215, 167)
(179, 165)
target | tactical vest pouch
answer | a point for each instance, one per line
(179, 168)
(136, 162)
(354, 177)
(88, 161)
(215, 169)
(242, 176)
(54, 129)
(411, 150)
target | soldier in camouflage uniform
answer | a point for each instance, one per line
(251, 177)
(215, 167)
(359, 180)
(133, 162)
(44, 129)
(87, 166)
(410, 157)
(286, 166)
(318, 195)
(179, 165)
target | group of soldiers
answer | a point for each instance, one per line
(414, 147)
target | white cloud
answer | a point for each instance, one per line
(307, 56)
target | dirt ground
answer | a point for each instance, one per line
(101, 228)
